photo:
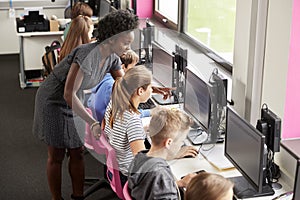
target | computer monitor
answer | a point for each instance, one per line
(296, 191)
(136, 44)
(245, 148)
(197, 102)
(162, 71)
(148, 38)
(273, 126)
(162, 65)
(104, 8)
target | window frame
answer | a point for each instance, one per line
(182, 9)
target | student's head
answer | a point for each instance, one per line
(168, 128)
(207, 186)
(81, 8)
(116, 28)
(129, 59)
(130, 90)
(79, 33)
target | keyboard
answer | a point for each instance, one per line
(147, 105)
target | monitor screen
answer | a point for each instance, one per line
(162, 65)
(197, 102)
(245, 149)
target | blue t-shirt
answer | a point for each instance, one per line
(100, 97)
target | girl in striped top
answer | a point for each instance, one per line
(123, 125)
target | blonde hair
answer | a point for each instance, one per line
(167, 123)
(129, 57)
(207, 186)
(125, 87)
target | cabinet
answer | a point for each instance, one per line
(32, 48)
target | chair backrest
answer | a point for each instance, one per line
(126, 192)
(49, 59)
(113, 174)
(101, 147)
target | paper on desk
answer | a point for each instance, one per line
(215, 156)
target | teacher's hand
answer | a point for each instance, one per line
(165, 91)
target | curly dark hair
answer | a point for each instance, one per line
(116, 22)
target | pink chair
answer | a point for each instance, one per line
(95, 183)
(102, 147)
(126, 192)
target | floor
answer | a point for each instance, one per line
(23, 157)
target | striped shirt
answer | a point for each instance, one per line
(125, 131)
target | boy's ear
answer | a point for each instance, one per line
(168, 142)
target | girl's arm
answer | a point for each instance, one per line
(137, 146)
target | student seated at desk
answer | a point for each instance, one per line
(150, 176)
(208, 186)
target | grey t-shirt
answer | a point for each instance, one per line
(151, 178)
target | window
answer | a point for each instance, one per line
(166, 11)
(212, 23)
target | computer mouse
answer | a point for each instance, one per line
(201, 138)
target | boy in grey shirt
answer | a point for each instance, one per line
(150, 176)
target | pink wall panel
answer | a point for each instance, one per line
(144, 8)
(291, 123)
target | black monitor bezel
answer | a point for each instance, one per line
(203, 126)
(257, 186)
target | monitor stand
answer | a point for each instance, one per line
(243, 189)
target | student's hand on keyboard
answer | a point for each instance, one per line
(185, 180)
(187, 152)
(165, 91)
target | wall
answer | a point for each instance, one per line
(291, 112)
(8, 38)
(276, 56)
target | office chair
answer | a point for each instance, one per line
(95, 182)
(102, 147)
(126, 192)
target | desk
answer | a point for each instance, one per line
(292, 146)
(32, 48)
(181, 167)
